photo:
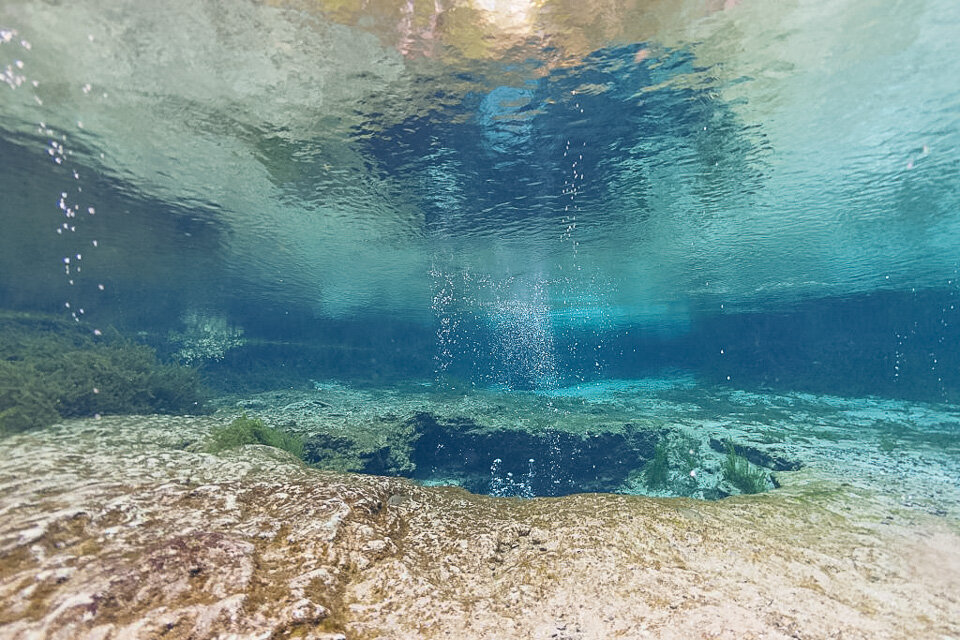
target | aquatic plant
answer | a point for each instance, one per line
(245, 430)
(205, 338)
(738, 471)
(656, 473)
(51, 369)
(24, 407)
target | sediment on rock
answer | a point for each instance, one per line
(111, 531)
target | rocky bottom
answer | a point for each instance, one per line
(659, 437)
(112, 529)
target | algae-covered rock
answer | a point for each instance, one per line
(382, 447)
(244, 430)
(51, 369)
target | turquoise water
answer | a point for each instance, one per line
(530, 199)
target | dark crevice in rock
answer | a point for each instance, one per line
(762, 458)
(500, 461)
(525, 463)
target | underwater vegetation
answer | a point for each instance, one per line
(673, 467)
(738, 471)
(205, 338)
(656, 473)
(51, 369)
(384, 448)
(245, 430)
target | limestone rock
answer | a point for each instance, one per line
(110, 530)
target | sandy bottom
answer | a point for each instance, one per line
(119, 528)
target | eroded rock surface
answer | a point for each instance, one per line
(119, 528)
(600, 437)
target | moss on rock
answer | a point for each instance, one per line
(244, 430)
(381, 447)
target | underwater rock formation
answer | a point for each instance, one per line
(120, 528)
(554, 462)
(645, 439)
(489, 442)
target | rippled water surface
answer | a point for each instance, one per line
(510, 193)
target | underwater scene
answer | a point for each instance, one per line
(479, 319)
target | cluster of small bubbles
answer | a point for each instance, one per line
(70, 209)
(569, 192)
(525, 341)
(448, 320)
(601, 323)
(898, 357)
(572, 283)
(205, 338)
(903, 339)
(555, 467)
(12, 73)
(948, 310)
(71, 213)
(522, 349)
(505, 485)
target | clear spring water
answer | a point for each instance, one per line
(536, 199)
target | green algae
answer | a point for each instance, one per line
(738, 471)
(244, 430)
(656, 473)
(51, 370)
